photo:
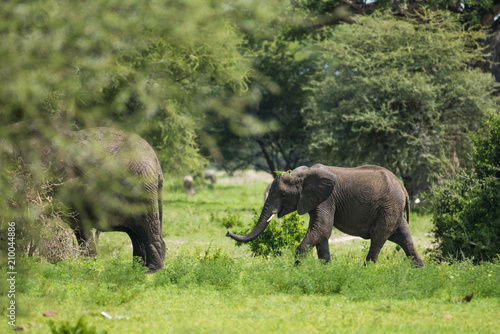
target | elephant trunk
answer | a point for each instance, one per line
(264, 219)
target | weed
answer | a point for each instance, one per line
(229, 220)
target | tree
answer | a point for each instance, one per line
(156, 68)
(466, 210)
(400, 93)
(152, 68)
(334, 12)
(283, 67)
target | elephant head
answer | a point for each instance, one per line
(301, 190)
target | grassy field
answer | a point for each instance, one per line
(211, 286)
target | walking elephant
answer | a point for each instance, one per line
(367, 201)
(107, 179)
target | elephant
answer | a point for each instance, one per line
(189, 185)
(107, 179)
(367, 201)
(210, 175)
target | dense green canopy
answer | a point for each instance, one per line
(401, 94)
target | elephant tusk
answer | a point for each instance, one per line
(272, 216)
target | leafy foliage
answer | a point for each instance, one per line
(229, 220)
(156, 69)
(81, 327)
(280, 234)
(467, 209)
(399, 93)
(153, 68)
(283, 66)
(39, 227)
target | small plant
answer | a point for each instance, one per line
(230, 220)
(281, 173)
(281, 234)
(210, 254)
(81, 327)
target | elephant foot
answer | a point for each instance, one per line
(88, 249)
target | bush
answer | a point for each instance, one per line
(467, 209)
(40, 230)
(229, 220)
(281, 234)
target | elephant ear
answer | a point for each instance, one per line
(317, 186)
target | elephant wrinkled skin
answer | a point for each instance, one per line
(108, 179)
(367, 201)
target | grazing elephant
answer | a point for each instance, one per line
(108, 179)
(210, 175)
(189, 185)
(367, 201)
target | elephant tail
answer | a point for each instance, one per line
(160, 197)
(407, 205)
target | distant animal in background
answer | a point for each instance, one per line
(189, 185)
(210, 175)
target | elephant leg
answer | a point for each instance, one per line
(318, 233)
(323, 250)
(138, 249)
(378, 236)
(402, 237)
(376, 245)
(85, 241)
(148, 242)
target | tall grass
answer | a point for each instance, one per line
(208, 278)
(116, 281)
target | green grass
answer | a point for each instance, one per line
(211, 286)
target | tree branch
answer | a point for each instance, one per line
(270, 162)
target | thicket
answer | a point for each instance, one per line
(467, 209)
(280, 235)
(39, 227)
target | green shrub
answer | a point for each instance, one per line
(229, 220)
(281, 234)
(81, 327)
(467, 209)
